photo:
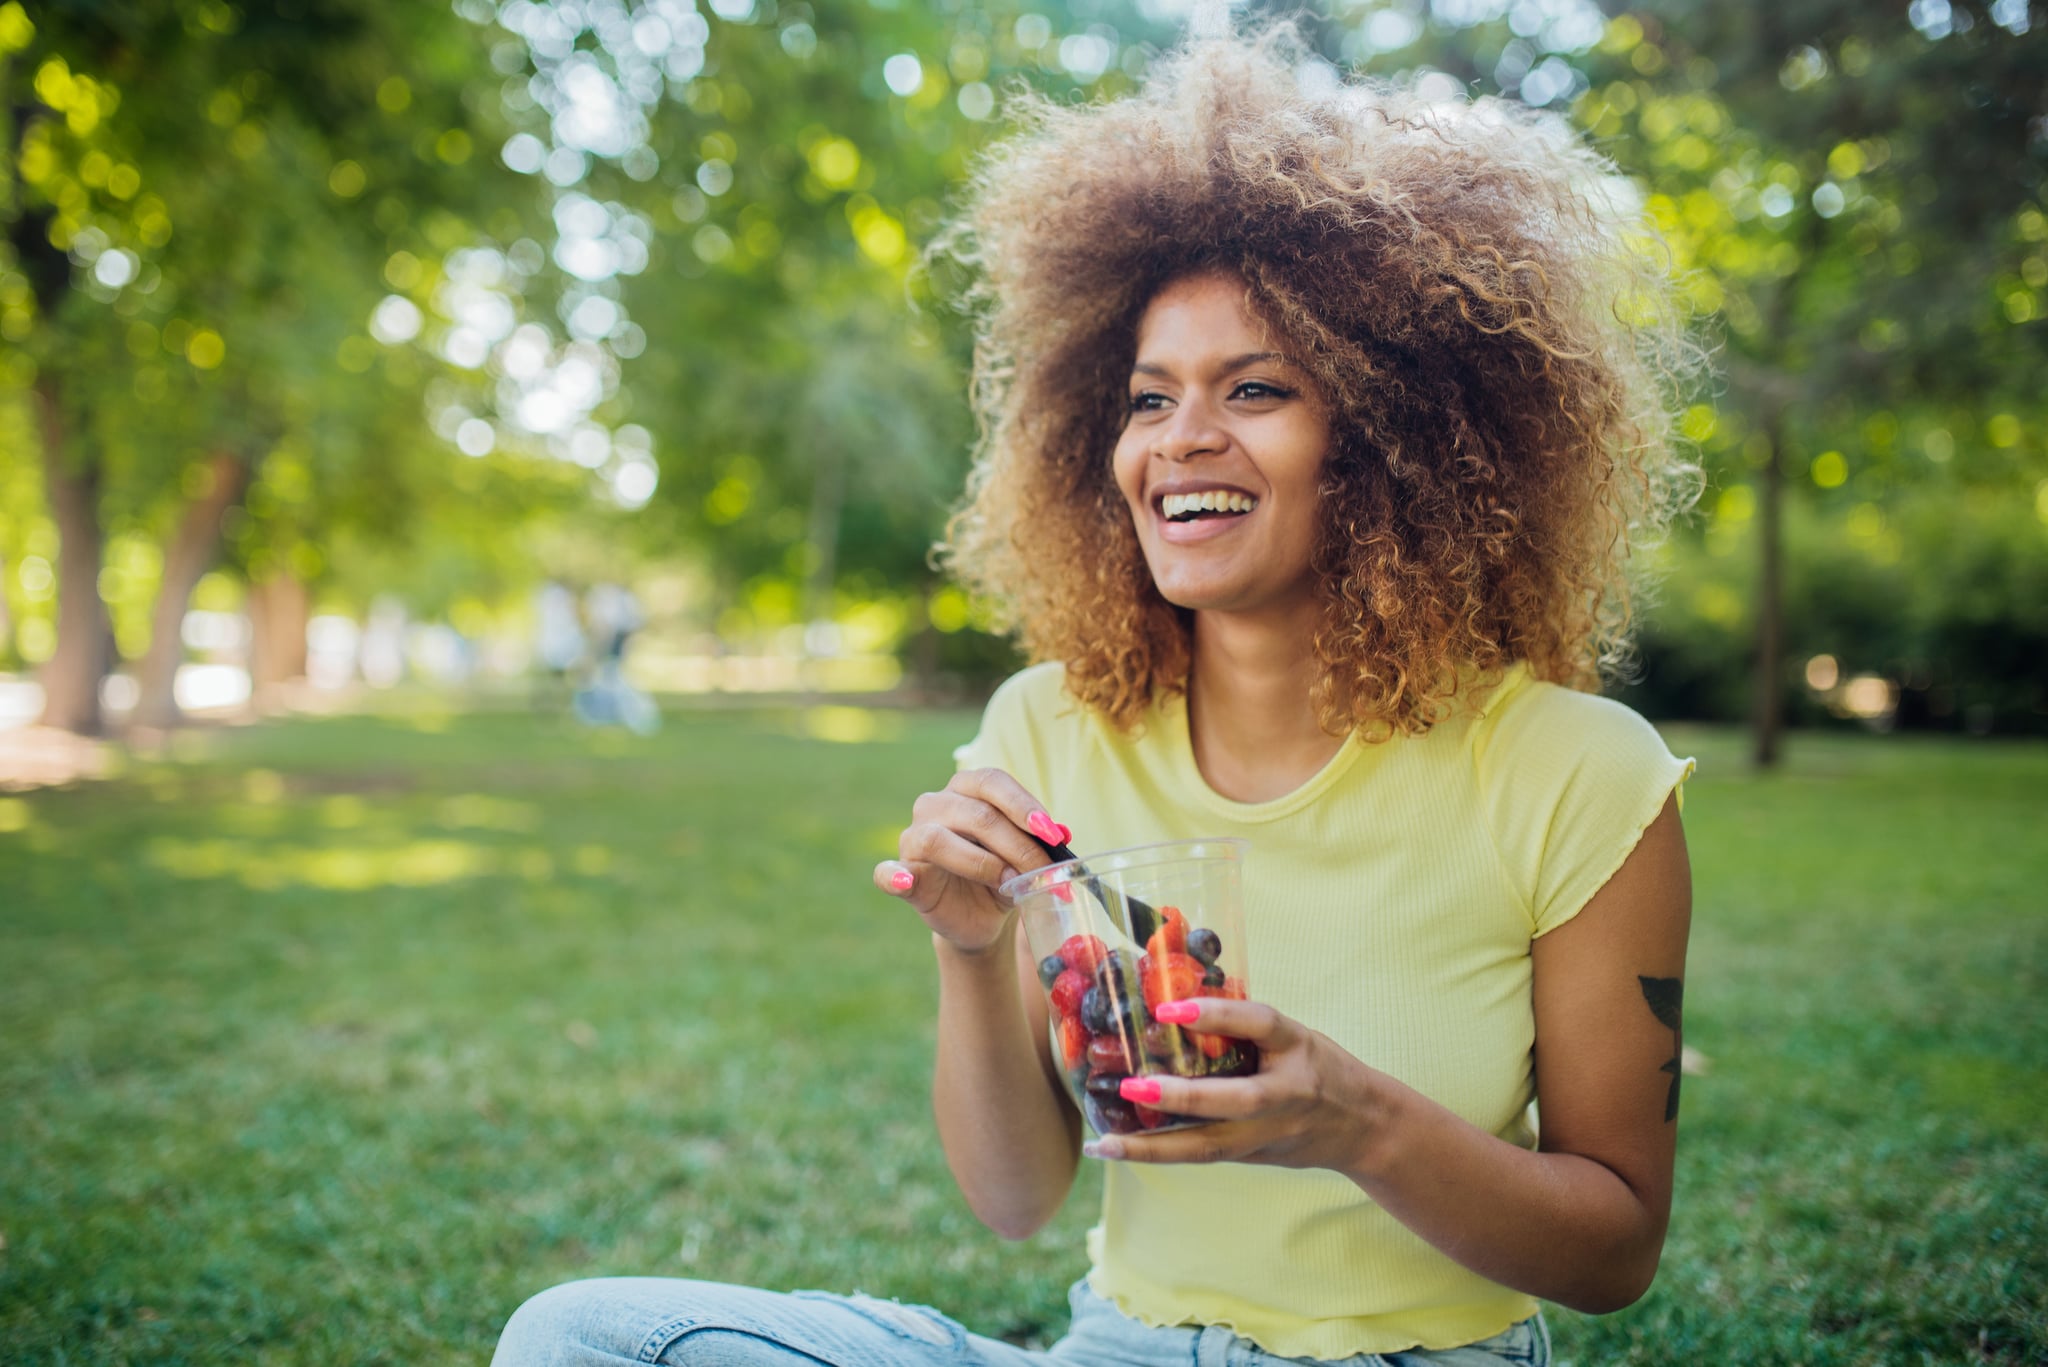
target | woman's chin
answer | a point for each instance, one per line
(1204, 594)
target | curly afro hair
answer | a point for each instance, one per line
(1488, 315)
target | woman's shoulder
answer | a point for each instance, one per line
(1527, 719)
(1038, 689)
(1541, 732)
(1568, 781)
(1022, 726)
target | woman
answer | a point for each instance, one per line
(1318, 430)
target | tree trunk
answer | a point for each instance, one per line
(190, 554)
(1769, 707)
(71, 678)
(277, 635)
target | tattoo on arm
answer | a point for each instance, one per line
(1664, 996)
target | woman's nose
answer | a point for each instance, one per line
(1192, 431)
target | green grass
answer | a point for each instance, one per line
(330, 1041)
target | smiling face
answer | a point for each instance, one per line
(1222, 454)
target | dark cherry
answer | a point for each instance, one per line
(1111, 1115)
(1104, 1084)
(1164, 1041)
(1106, 1054)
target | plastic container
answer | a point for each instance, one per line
(1115, 935)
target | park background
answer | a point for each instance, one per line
(355, 988)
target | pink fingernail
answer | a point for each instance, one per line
(1177, 1013)
(1046, 829)
(903, 880)
(1144, 1090)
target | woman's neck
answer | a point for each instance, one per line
(1251, 720)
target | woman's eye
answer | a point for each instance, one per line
(1259, 389)
(1147, 402)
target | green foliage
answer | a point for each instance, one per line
(337, 1039)
(714, 221)
(1956, 623)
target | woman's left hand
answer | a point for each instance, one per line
(1310, 1105)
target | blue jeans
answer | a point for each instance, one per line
(611, 1320)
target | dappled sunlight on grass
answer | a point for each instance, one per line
(850, 725)
(346, 868)
(484, 812)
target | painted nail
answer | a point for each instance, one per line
(1177, 1013)
(1103, 1148)
(903, 880)
(1046, 829)
(1139, 1089)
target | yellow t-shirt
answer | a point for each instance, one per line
(1390, 903)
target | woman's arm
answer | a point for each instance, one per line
(1010, 1137)
(1581, 1221)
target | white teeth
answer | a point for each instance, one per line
(1208, 501)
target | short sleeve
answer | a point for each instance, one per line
(1012, 736)
(1569, 782)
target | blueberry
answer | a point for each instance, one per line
(1212, 976)
(1098, 1014)
(1114, 977)
(1050, 968)
(1205, 945)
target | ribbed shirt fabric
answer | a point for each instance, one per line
(1390, 903)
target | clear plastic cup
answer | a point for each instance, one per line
(1115, 935)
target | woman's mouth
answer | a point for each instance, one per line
(1207, 505)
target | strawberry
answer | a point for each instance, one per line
(1067, 990)
(1169, 977)
(1233, 988)
(1172, 935)
(1073, 1042)
(1212, 1046)
(1150, 1118)
(1084, 952)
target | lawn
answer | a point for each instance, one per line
(329, 1041)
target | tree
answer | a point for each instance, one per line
(1861, 197)
(235, 210)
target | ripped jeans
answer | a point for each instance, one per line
(611, 1320)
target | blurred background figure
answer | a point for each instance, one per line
(558, 645)
(613, 614)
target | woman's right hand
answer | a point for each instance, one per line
(960, 846)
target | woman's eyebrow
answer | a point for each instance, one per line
(1234, 363)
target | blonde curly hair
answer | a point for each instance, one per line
(1473, 290)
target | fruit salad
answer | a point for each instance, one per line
(1103, 1030)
